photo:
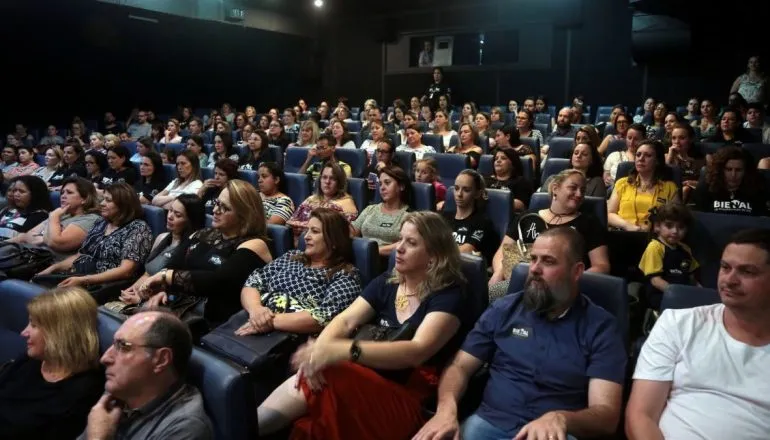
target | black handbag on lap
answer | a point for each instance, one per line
(21, 261)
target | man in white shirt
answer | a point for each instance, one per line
(702, 373)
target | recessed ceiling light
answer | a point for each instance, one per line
(318, 3)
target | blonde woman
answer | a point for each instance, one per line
(53, 160)
(443, 127)
(48, 392)
(335, 371)
(308, 135)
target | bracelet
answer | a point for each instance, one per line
(163, 278)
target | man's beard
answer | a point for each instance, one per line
(541, 298)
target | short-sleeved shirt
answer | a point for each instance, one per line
(176, 188)
(613, 160)
(214, 157)
(538, 365)
(719, 386)
(84, 222)
(378, 225)
(381, 295)
(741, 202)
(674, 264)
(281, 206)
(634, 206)
(99, 253)
(520, 187)
(110, 176)
(476, 230)
(309, 289)
(419, 152)
(14, 222)
(587, 225)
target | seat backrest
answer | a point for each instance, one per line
(533, 143)
(225, 387)
(276, 154)
(498, 208)
(406, 161)
(170, 169)
(542, 127)
(527, 169)
(207, 173)
(353, 125)
(251, 176)
(680, 296)
(155, 218)
(366, 257)
(354, 157)
(615, 145)
(758, 151)
(474, 269)
(14, 296)
(596, 206)
(435, 141)
(359, 190)
(297, 187)
(708, 236)
(281, 239)
(560, 147)
(295, 157)
(424, 196)
(131, 145)
(486, 165)
(450, 165)
(176, 147)
(606, 291)
(55, 197)
(553, 166)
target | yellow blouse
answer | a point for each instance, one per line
(634, 205)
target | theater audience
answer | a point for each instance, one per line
(67, 226)
(277, 136)
(53, 160)
(732, 185)
(216, 261)
(586, 158)
(469, 140)
(324, 151)
(143, 146)
(426, 171)
(413, 142)
(308, 135)
(701, 371)
(73, 166)
(525, 125)
(556, 360)
(47, 393)
(26, 164)
(634, 137)
(620, 128)
(707, 124)
(442, 126)
(378, 135)
(188, 180)
(96, 164)
(223, 148)
(119, 168)
(381, 222)
(225, 170)
(195, 144)
(185, 217)
(258, 151)
(28, 205)
(384, 156)
(272, 189)
(116, 246)
(384, 381)
(302, 291)
(171, 135)
(146, 396)
(331, 193)
(730, 129)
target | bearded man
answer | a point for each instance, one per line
(556, 360)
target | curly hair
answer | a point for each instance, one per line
(715, 173)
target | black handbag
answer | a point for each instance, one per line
(252, 351)
(374, 332)
(102, 293)
(21, 261)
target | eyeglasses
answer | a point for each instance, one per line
(218, 204)
(381, 151)
(122, 346)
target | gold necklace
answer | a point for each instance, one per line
(402, 299)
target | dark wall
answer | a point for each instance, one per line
(601, 65)
(85, 57)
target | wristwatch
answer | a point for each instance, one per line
(355, 351)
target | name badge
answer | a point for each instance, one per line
(215, 260)
(521, 332)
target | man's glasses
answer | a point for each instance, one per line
(122, 346)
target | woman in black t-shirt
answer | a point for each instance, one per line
(732, 185)
(152, 178)
(225, 170)
(472, 230)
(566, 190)
(508, 174)
(28, 205)
(72, 166)
(120, 169)
(96, 164)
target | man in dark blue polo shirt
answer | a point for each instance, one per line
(556, 360)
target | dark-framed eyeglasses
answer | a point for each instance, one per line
(218, 204)
(123, 346)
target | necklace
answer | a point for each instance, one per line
(402, 298)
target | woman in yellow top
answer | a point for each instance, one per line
(645, 187)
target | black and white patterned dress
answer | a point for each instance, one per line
(309, 289)
(100, 252)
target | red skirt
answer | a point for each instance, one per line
(357, 404)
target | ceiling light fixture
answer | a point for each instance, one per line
(318, 3)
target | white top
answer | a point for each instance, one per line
(348, 144)
(418, 152)
(613, 160)
(190, 188)
(719, 386)
(176, 140)
(445, 138)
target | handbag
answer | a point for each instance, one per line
(529, 227)
(251, 351)
(21, 261)
(374, 332)
(102, 293)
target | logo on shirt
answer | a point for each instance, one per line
(532, 233)
(521, 332)
(732, 206)
(386, 225)
(215, 260)
(478, 234)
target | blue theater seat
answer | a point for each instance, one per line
(295, 157)
(606, 291)
(297, 187)
(225, 387)
(597, 206)
(359, 190)
(281, 239)
(155, 218)
(207, 173)
(406, 161)
(487, 167)
(178, 148)
(131, 145)
(423, 197)
(450, 165)
(55, 198)
(353, 125)
(435, 141)
(616, 145)
(551, 167)
(250, 176)
(679, 296)
(14, 296)
(171, 173)
(354, 157)
(560, 147)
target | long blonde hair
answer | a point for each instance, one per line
(67, 317)
(447, 267)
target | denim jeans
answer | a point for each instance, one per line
(476, 428)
